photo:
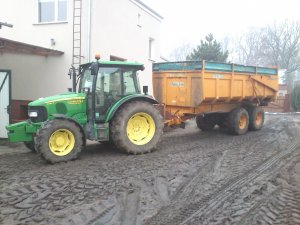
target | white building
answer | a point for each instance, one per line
(38, 50)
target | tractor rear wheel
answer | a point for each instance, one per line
(256, 118)
(238, 121)
(205, 123)
(136, 128)
(59, 140)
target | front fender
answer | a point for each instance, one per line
(137, 97)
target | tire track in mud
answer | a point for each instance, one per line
(258, 172)
(34, 195)
(89, 217)
(198, 210)
(281, 206)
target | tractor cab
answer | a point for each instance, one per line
(105, 83)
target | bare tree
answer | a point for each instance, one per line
(248, 48)
(281, 46)
(180, 53)
(274, 45)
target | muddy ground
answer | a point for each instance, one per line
(192, 178)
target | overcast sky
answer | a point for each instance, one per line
(191, 20)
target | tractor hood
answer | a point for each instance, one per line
(70, 105)
(69, 97)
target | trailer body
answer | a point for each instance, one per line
(199, 87)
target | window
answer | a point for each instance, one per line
(151, 48)
(129, 84)
(52, 11)
(139, 20)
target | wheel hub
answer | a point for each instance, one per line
(61, 142)
(243, 122)
(140, 128)
(258, 118)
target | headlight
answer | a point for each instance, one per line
(33, 114)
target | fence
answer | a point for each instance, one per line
(281, 104)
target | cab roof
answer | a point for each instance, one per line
(118, 63)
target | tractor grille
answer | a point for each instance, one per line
(42, 114)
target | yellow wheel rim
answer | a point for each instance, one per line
(140, 128)
(259, 118)
(61, 142)
(243, 122)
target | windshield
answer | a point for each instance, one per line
(123, 80)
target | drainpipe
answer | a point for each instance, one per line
(89, 22)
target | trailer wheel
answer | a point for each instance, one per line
(256, 118)
(30, 145)
(205, 123)
(238, 121)
(136, 128)
(59, 140)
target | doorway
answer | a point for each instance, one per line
(5, 98)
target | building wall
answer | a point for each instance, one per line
(36, 76)
(114, 31)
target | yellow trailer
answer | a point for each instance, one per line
(228, 95)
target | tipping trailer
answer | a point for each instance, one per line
(109, 106)
(227, 95)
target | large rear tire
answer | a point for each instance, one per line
(136, 128)
(256, 118)
(205, 123)
(238, 121)
(59, 140)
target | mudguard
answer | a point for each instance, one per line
(137, 97)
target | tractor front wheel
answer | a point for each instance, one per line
(136, 128)
(59, 140)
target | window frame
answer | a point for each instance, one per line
(151, 50)
(56, 11)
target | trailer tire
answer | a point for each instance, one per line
(59, 140)
(30, 145)
(136, 128)
(256, 118)
(205, 123)
(238, 121)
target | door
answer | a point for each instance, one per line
(4, 101)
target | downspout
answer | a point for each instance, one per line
(89, 22)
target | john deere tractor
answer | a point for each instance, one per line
(108, 107)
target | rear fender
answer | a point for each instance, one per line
(112, 111)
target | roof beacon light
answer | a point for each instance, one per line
(97, 56)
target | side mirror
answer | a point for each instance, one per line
(145, 90)
(94, 68)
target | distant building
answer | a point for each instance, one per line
(38, 50)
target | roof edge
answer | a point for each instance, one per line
(28, 48)
(147, 8)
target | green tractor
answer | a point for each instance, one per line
(108, 107)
